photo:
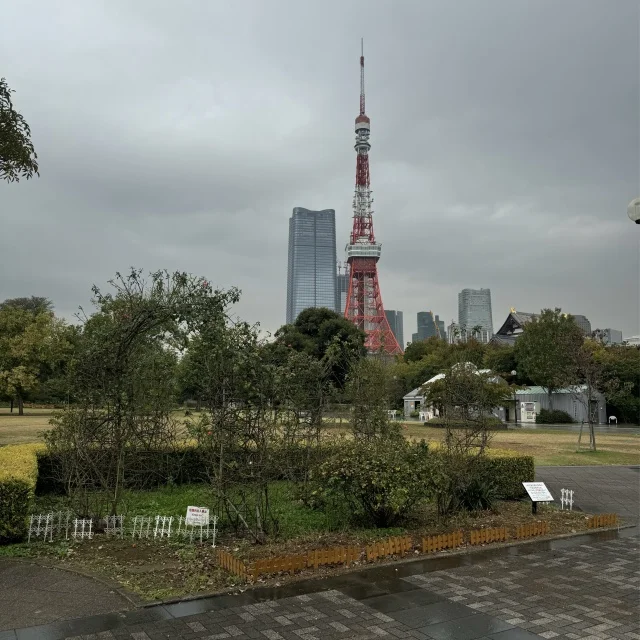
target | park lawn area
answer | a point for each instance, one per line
(550, 447)
(156, 569)
(15, 429)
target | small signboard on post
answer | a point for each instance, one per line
(538, 492)
(197, 516)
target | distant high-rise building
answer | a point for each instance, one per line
(428, 327)
(474, 314)
(453, 332)
(342, 288)
(311, 275)
(612, 336)
(607, 336)
(396, 324)
(584, 324)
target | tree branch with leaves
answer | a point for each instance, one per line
(18, 158)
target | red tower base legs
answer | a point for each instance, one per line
(365, 309)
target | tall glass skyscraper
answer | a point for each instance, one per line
(396, 323)
(311, 275)
(474, 312)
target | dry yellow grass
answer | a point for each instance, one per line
(15, 429)
(548, 447)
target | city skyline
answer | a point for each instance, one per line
(146, 164)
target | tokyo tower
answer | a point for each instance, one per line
(364, 302)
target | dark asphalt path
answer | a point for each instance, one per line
(600, 489)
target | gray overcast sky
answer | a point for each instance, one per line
(179, 135)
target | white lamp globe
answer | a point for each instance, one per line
(633, 210)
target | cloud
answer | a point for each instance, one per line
(505, 147)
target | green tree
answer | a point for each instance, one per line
(34, 304)
(369, 389)
(29, 345)
(17, 155)
(547, 351)
(328, 337)
(467, 399)
(621, 372)
(123, 379)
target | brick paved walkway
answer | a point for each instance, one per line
(591, 591)
(574, 592)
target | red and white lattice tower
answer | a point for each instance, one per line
(364, 302)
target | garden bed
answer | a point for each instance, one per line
(160, 569)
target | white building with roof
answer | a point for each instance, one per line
(415, 399)
(528, 401)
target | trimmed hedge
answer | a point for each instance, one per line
(509, 474)
(18, 475)
(189, 465)
(553, 416)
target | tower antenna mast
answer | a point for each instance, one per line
(364, 302)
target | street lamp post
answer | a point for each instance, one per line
(515, 401)
(633, 210)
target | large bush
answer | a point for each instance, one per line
(473, 483)
(553, 416)
(381, 480)
(18, 473)
(508, 475)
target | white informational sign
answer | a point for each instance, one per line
(538, 491)
(198, 516)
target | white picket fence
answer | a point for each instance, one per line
(566, 499)
(47, 526)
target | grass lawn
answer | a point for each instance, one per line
(552, 447)
(15, 429)
(548, 448)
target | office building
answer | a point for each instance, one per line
(342, 288)
(474, 314)
(584, 324)
(311, 274)
(453, 333)
(607, 336)
(612, 336)
(429, 326)
(396, 323)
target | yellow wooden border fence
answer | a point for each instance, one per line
(391, 546)
(399, 545)
(484, 536)
(443, 541)
(532, 529)
(603, 520)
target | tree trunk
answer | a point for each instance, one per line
(11, 405)
(20, 405)
(550, 394)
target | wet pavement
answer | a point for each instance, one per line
(33, 595)
(600, 489)
(587, 587)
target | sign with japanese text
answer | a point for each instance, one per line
(538, 491)
(197, 516)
